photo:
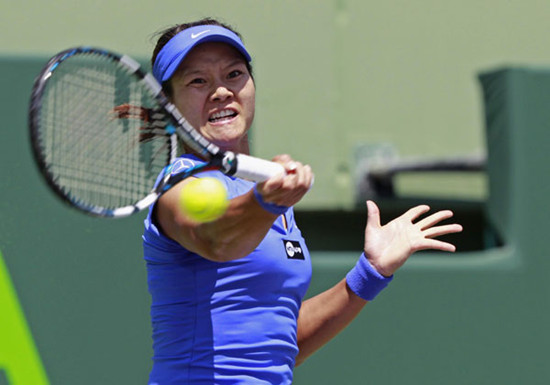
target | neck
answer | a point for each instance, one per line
(241, 147)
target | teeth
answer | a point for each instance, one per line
(222, 114)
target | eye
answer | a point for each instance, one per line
(197, 81)
(235, 73)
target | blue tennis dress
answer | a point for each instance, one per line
(226, 322)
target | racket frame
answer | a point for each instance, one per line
(227, 162)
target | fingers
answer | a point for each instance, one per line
(426, 241)
(442, 230)
(429, 231)
(293, 186)
(270, 185)
(434, 244)
(388, 247)
(426, 229)
(434, 219)
(415, 212)
(291, 167)
(427, 225)
(431, 220)
(287, 189)
(282, 158)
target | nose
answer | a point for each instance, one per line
(221, 93)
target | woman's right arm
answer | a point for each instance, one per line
(245, 223)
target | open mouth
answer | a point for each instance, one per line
(221, 116)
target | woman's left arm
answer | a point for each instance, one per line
(324, 316)
(386, 249)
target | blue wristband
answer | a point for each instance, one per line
(271, 207)
(365, 281)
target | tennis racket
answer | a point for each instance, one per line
(102, 131)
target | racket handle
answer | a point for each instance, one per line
(256, 169)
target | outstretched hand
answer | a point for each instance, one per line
(388, 247)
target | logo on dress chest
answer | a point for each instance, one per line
(293, 249)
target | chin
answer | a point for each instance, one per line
(240, 145)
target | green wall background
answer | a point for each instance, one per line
(331, 76)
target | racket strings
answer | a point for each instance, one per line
(153, 120)
(98, 158)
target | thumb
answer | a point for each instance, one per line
(270, 185)
(373, 214)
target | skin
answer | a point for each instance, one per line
(387, 248)
(213, 78)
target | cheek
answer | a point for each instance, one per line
(252, 110)
(250, 101)
(190, 109)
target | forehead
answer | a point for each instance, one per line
(211, 53)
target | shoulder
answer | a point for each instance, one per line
(185, 162)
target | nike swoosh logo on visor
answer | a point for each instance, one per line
(195, 35)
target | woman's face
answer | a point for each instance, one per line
(214, 91)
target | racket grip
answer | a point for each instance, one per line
(256, 169)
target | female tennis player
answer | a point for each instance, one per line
(227, 295)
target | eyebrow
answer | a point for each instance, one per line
(185, 71)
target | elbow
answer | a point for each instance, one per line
(299, 360)
(227, 246)
(222, 252)
(214, 243)
(303, 353)
(220, 256)
(214, 247)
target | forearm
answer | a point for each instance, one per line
(238, 232)
(234, 235)
(245, 223)
(322, 317)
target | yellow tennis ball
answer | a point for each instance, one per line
(203, 199)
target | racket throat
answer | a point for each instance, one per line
(227, 162)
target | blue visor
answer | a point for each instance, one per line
(172, 54)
